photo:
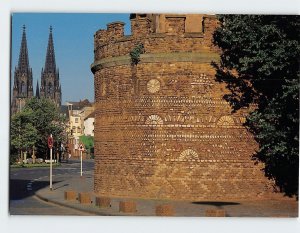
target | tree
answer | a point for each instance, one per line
(43, 118)
(88, 142)
(23, 133)
(260, 66)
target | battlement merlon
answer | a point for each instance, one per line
(141, 26)
(114, 31)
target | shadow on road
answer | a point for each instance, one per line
(18, 188)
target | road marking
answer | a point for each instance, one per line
(29, 187)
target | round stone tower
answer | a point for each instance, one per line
(162, 128)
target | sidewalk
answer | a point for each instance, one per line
(263, 208)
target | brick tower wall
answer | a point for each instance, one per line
(162, 129)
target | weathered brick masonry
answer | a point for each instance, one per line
(162, 128)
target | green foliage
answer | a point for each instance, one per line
(88, 142)
(135, 54)
(260, 65)
(22, 131)
(33, 125)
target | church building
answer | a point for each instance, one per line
(22, 86)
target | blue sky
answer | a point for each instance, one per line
(73, 43)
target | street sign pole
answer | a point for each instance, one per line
(81, 148)
(50, 145)
(81, 163)
(51, 168)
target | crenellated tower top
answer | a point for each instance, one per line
(159, 33)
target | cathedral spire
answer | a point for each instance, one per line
(50, 66)
(22, 88)
(37, 92)
(23, 65)
(49, 76)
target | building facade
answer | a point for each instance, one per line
(89, 125)
(77, 112)
(162, 127)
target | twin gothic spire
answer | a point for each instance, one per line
(23, 64)
(50, 65)
(23, 89)
(50, 86)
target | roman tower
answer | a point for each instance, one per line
(22, 87)
(50, 86)
(162, 127)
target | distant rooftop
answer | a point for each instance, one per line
(91, 115)
(64, 110)
(79, 105)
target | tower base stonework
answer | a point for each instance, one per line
(162, 128)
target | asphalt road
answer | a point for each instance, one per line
(24, 182)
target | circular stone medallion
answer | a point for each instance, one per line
(153, 86)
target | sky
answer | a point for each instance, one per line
(73, 44)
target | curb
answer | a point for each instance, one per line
(72, 207)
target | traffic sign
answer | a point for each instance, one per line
(81, 147)
(50, 141)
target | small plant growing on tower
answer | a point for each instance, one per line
(135, 54)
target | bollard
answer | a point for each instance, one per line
(103, 202)
(164, 210)
(70, 195)
(215, 213)
(127, 206)
(84, 198)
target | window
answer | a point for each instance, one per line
(23, 88)
(50, 88)
(76, 120)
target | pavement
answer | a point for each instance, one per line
(257, 208)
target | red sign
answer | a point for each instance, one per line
(50, 142)
(81, 148)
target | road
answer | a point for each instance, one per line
(24, 182)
